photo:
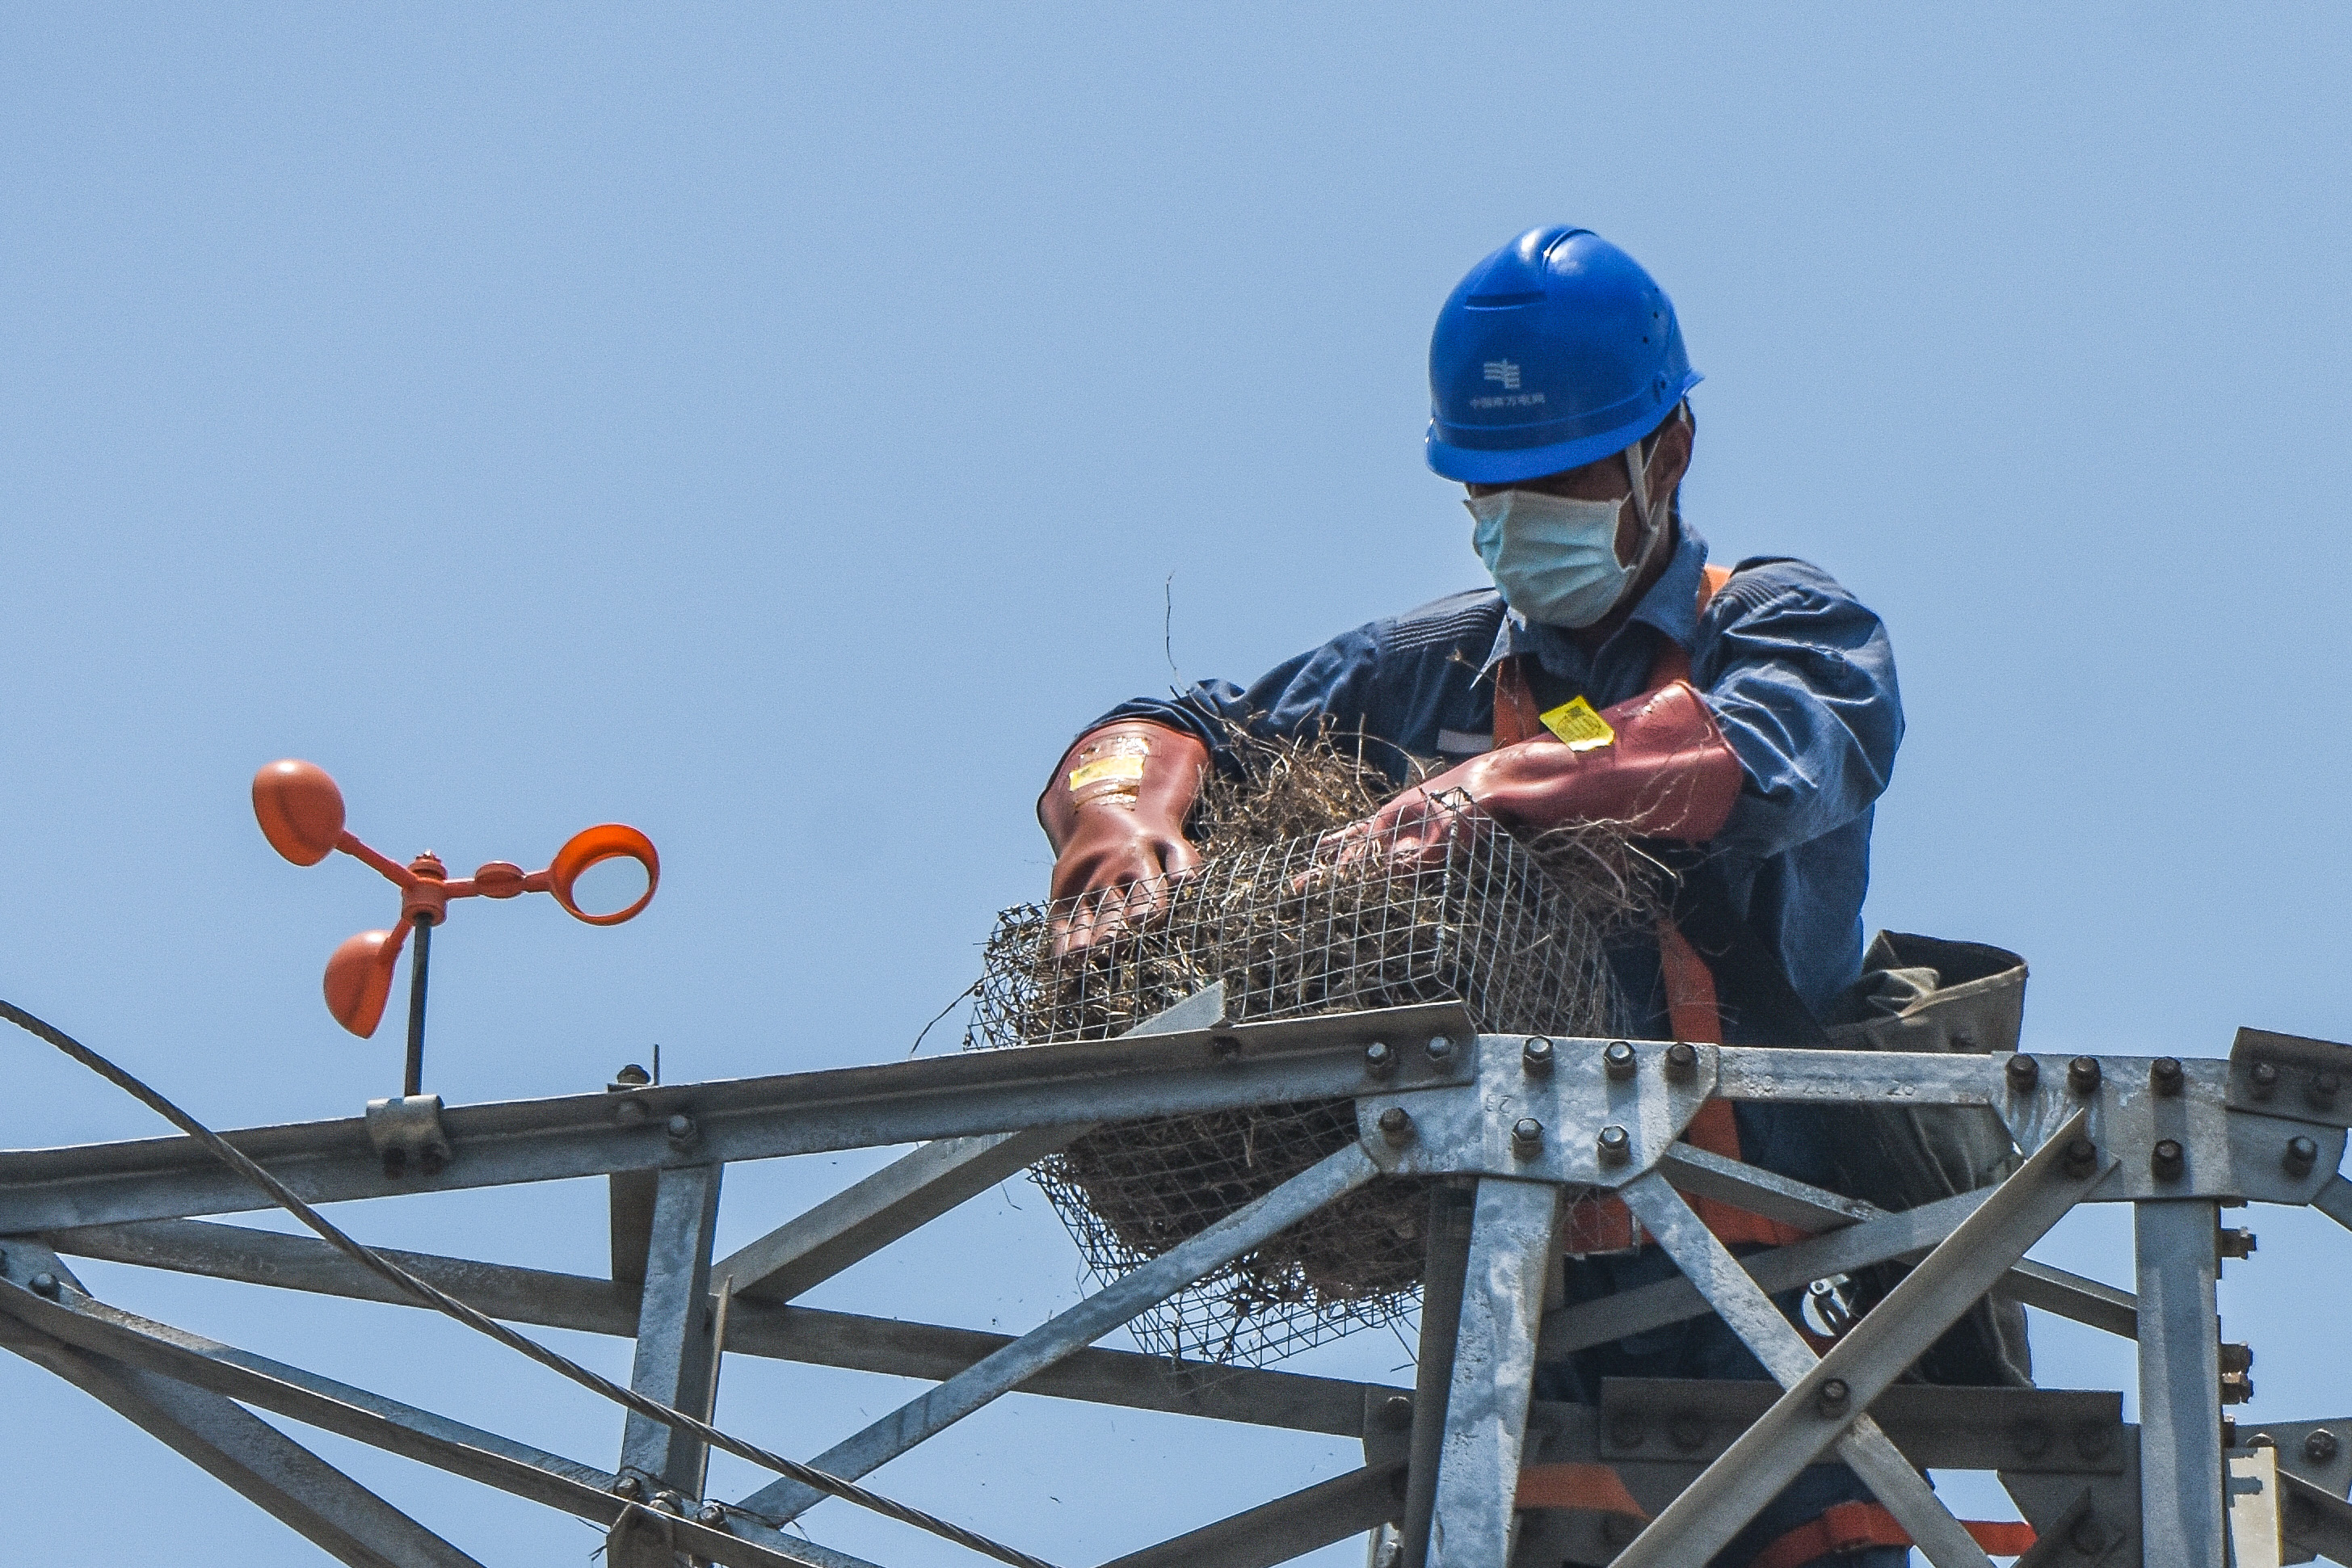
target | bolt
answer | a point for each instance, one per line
(2023, 1072)
(2082, 1157)
(2031, 1438)
(2092, 1439)
(1614, 1147)
(1687, 1431)
(1396, 1412)
(1396, 1125)
(628, 1486)
(1625, 1429)
(670, 1503)
(2229, 1431)
(1527, 1137)
(2083, 1074)
(396, 1163)
(632, 1077)
(1440, 1047)
(2323, 1088)
(679, 1129)
(2234, 1243)
(1682, 1061)
(1832, 1397)
(1379, 1062)
(1536, 1056)
(1619, 1060)
(2261, 1440)
(2236, 1388)
(2301, 1155)
(2237, 1357)
(45, 1284)
(2319, 1446)
(2164, 1075)
(2167, 1159)
(2265, 1080)
(711, 1513)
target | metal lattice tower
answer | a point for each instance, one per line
(1502, 1135)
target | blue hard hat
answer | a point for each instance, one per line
(1556, 349)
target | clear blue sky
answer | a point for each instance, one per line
(776, 427)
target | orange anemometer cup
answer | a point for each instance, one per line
(301, 810)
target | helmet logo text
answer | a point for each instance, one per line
(1505, 372)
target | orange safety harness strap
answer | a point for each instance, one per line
(1597, 1488)
(1602, 1224)
(1857, 1526)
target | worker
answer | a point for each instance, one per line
(1609, 675)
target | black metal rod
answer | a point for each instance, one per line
(420, 958)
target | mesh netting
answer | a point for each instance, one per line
(1292, 929)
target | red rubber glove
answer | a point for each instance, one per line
(1669, 774)
(1114, 811)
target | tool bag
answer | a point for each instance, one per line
(1925, 994)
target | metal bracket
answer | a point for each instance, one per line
(406, 1132)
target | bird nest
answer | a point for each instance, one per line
(1514, 932)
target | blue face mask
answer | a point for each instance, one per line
(1553, 556)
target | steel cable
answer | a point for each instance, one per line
(628, 1398)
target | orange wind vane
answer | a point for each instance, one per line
(301, 813)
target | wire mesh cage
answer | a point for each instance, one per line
(1296, 927)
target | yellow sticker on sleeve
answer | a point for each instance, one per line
(1127, 766)
(1578, 726)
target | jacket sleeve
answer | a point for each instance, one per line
(1802, 679)
(1334, 684)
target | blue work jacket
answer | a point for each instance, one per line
(1797, 672)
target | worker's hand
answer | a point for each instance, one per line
(1115, 810)
(1114, 875)
(1417, 829)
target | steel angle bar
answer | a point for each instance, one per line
(1901, 1235)
(2316, 1520)
(2181, 1514)
(1876, 1350)
(866, 1216)
(846, 1339)
(1494, 1373)
(675, 1342)
(1286, 1528)
(918, 1187)
(370, 1418)
(1704, 1174)
(2334, 1200)
(968, 1094)
(1145, 1287)
(1453, 1207)
(2254, 1507)
(245, 1453)
(1857, 1076)
(1752, 1314)
(2026, 1431)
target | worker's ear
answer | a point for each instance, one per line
(1669, 459)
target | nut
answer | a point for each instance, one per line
(1682, 1061)
(2164, 1075)
(2031, 1438)
(2322, 1090)
(1613, 1146)
(2168, 1160)
(1686, 1429)
(1619, 1060)
(1527, 1136)
(2263, 1075)
(1833, 1397)
(2237, 1357)
(2236, 1388)
(2083, 1074)
(2301, 1155)
(2230, 1243)
(2082, 1157)
(628, 1486)
(1396, 1412)
(1536, 1056)
(2319, 1446)
(711, 1513)
(1439, 1049)
(679, 1129)
(1379, 1062)
(1396, 1125)
(2023, 1072)
(45, 1284)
